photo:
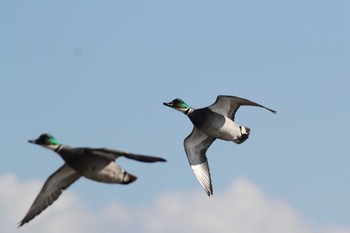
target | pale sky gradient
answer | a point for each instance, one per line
(96, 74)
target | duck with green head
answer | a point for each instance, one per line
(97, 164)
(213, 122)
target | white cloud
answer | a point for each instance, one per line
(242, 208)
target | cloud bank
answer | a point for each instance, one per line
(242, 208)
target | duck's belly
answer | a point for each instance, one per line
(105, 172)
(228, 131)
(94, 167)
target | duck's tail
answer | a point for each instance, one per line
(128, 178)
(244, 134)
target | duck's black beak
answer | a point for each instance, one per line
(31, 141)
(170, 104)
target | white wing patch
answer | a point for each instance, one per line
(203, 176)
(196, 145)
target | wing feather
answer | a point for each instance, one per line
(113, 154)
(52, 189)
(202, 173)
(196, 145)
(228, 105)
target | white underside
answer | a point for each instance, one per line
(111, 173)
(230, 131)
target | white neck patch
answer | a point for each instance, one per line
(187, 111)
(53, 147)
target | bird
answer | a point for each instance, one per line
(96, 164)
(210, 123)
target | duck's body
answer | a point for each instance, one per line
(214, 124)
(210, 123)
(97, 164)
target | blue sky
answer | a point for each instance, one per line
(96, 74)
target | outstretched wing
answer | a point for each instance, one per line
(52, 189)
(196, 144)
(113, 154)
(228, 105)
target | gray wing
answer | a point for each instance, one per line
(113, 154)
(196, 145)
(52, 189)
(228, 105)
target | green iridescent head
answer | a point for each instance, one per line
(178, 104)
(45, 140)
